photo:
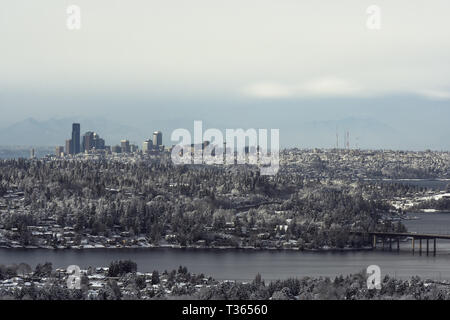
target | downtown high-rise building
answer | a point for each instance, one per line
(99, 143)
(147, 146)
(76, 138)
(125, 146)
(91, 141)
(157, 139)
(87, 141)
(59, 151)
(69, 146)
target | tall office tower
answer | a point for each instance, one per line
(88, 141)
(32, 154)
(125, 146)
(147, 146)
(99, 143)
(59, 150)
(75, 138)
(157, 139)
(69, 146)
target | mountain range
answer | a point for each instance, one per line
(364, 133)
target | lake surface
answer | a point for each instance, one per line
(244, 264)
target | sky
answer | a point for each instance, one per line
(155, 63)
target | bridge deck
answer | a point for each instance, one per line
(404, 234)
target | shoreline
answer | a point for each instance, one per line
(177, 247)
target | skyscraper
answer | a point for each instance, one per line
(75, 138)
(59, 151)
(88, 141)
(99, 143)
(147, 146)
(69, 146)
(125, 146)
(157, 139)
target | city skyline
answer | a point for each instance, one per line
(91, 141)
(365, 132)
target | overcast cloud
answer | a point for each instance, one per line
(261, 48)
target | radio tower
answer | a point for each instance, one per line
(337, 138)
(348, 140)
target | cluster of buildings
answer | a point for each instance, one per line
(97, 280)
(47, 234)
(150, 145)
(91, 142)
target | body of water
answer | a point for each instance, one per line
(272, 264)
(242, 264)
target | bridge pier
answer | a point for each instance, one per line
(396, 236)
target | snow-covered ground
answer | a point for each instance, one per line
(406, 203)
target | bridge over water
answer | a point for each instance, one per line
(387, 239)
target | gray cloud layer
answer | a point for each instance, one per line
(256, 47)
